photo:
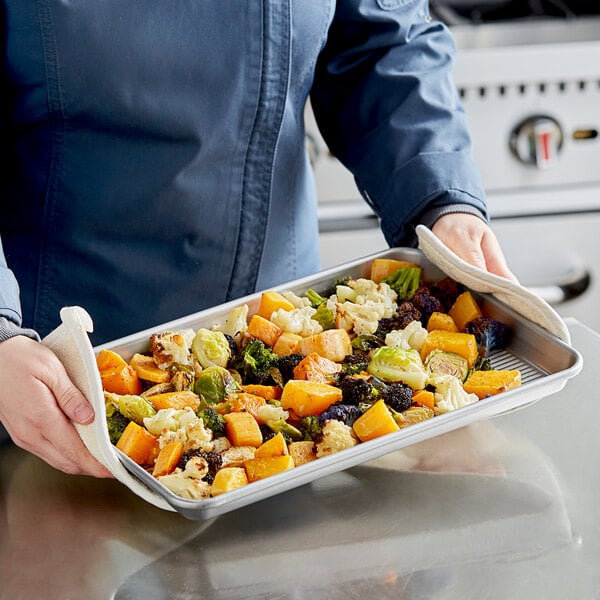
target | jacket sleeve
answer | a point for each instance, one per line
(387, 107)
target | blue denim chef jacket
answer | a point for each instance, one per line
(153, 153)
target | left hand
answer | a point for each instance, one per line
(473, 240)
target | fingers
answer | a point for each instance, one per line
(34, 392)
(470, 238)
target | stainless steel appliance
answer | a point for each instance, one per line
(529, 76)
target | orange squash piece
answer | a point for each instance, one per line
(176, 400)
(302, 452)
(287, 343)
(168, 458)
(264, 330)
(259, 468)
(246, 402)
(242, 429)
(489, 383)
(270, 302)
(334, 344)
(227, 479)
(137, 443)
(306, 398)
(439, 320)
(463, 344)
(384, 267)
(424, 398)
(315, 367)
(374, 423)
(109, 360)
(121, 380)
(275, 446)
(147, 369)
(268, 392)
(464, 309)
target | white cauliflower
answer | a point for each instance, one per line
(270, 412)
(172, 348)
(196, 467)
(296, 300)
(221, 444)
(236, 324)
(412, 336)
(297, 320)
(236, 456)
(186, 487)
(449, 393)
(362, 303)
(183, 426)
(336, 436)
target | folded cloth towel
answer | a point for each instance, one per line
(519, 298)
(71, 343)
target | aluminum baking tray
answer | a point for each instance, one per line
(545, 362)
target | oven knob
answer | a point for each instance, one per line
(537, 141)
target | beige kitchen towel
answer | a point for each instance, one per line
(71, 344)
(518, 297)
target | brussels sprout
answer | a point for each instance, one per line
(391, 363)
(135, 408)
(450, 363)
(211, 348)
(214, 384)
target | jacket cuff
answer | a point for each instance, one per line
(8, 330)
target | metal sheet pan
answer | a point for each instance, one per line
(546, 363)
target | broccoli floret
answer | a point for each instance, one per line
(289, 432)
(255, 362)
(324, 316)
(395, 394)
(366, 342)
(213, 459)
(346, 413)
(425, 303)
(355, 363)
(357, 390)
(489, 333)
(116, 423)
(404, 281)
(315, 298)
(311, 428)
(213, 420)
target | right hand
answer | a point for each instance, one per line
(38, 401)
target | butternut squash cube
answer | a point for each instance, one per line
(227, 479)
(377, 421)
(302, 452)
(246, 402)
(308, 397)
(463, 344)
(384, 267)
(268, 392)
(275, 446)
(270, 302)
(138, 443)
(264, 330)
(439, 320)
(176, 400)
(242, 429)
(424, 398)
(334, 344)
(147, 369)
(315, 367)
(168, 458)
(486, 383)
(259, 468)
(287, 343)
(464, 309)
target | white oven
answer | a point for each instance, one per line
(529, 77)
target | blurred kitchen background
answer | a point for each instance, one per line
(528, 72)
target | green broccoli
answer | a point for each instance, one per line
(255, 362)
(311, 428)
(404, 281)
(115, 421)
(289, 432)
(325, 316)
(213, 420)
(315, 298)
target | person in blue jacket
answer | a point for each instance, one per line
(154, 164)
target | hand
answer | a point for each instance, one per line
(472, 239)
(38, 402)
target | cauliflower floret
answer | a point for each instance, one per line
(412, 336)
(236, 324)
(221, 444)
(186, 487)
(449, 393)
(172, 348)
(297, 320)
(362, 303)
(183, 426)
(196, 467)
(296, 300)
(336, 436)
(270, 412)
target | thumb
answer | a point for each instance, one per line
(68, 397)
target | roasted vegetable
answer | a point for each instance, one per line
(489, 333)
(255, 362)
(214, 384)
(211, 348)
(398, 364)
(439, 361)
(213, 421)
(404, 281)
